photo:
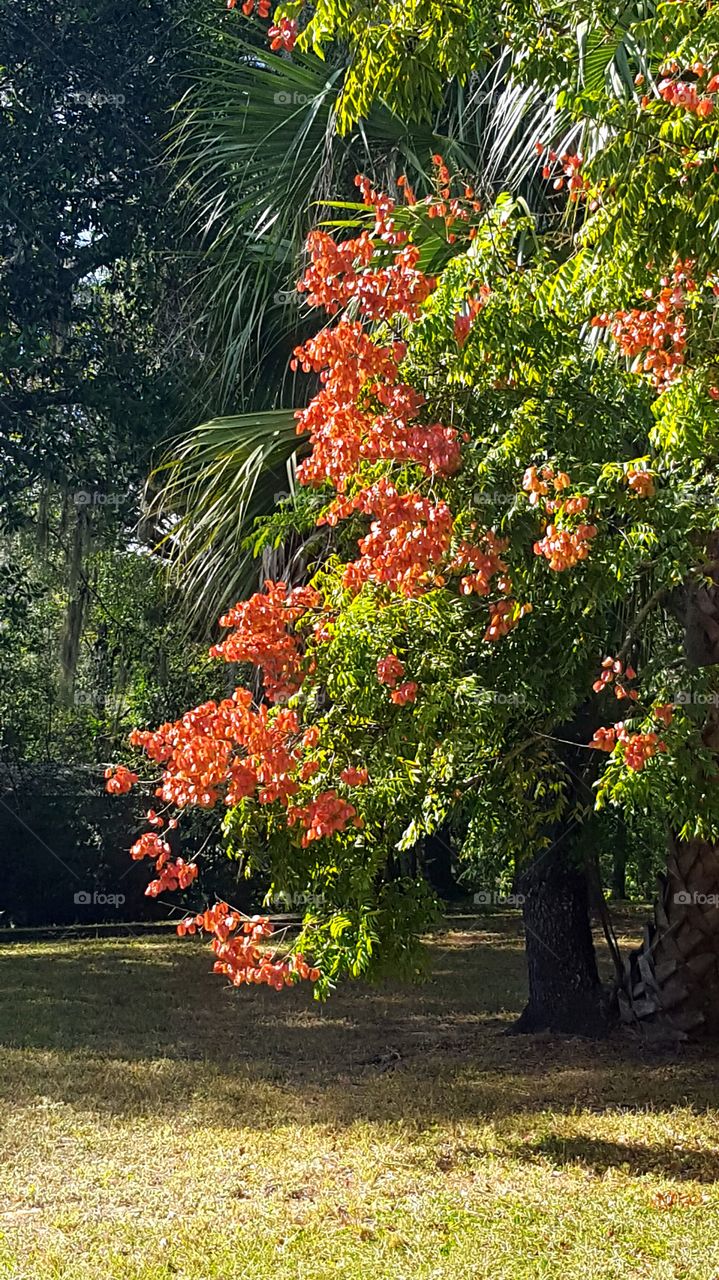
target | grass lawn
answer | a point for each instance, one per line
(158, 1126)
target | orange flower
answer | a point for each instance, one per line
(354, 777)
(641, 483)
(404, 693)
(390, 670)
(120, 780)
(283, 35)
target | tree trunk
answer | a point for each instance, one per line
(75, 610)
(671, 983)
(42, 521)
(565, 993)
(438, 865)
(619, 870)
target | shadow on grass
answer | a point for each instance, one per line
(599, 1156)
(133, 1028)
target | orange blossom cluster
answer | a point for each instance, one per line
(237, 945)
(613, 668)
(570, 175)
(282, 35)
(340, 272)
(563, 548)
(225, 750)
(409, 536)
(261, 635)
(503, 617)
(173, 873)
(637, 747)
(641, 483)
(324, 815)
(472, 307)
(364, 412)
(264, 7)
(390, 669)
(352, 368)
(655, 339)
(687, 94)
(120, 780)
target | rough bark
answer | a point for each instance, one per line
(565, 993)
(701, 615)
(671, 983)
(75, 610)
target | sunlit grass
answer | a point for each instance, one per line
(158, 1126)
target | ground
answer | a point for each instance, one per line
(158, 1126)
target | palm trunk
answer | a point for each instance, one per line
(670, 984)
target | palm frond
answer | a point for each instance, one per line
(250, 145)
(258, 159)
(218, 479)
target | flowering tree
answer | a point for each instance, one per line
(512, 442)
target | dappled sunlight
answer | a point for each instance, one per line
(164, 1107)
(107, 1026)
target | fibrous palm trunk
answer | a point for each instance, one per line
(671, 983)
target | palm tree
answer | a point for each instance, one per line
(258, 159)
(214, 483)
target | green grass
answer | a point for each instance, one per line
(158, 1126)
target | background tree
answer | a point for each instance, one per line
(98, 367)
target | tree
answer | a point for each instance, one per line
(97, 368)
(518, 421)
(85, 218)
(404, 54)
